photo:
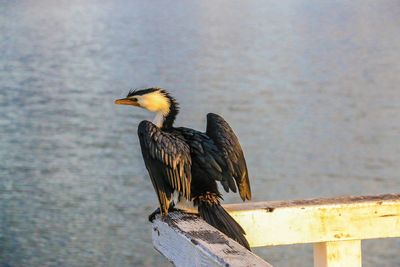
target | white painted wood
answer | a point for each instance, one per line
(335, 225)
(338, 254)
(186, 240)
(319, 220)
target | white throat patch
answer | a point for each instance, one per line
(159, 119)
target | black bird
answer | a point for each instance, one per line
(184, 164)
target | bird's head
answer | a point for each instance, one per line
(155, 100)
(152, 99)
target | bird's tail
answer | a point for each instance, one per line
(214, 214)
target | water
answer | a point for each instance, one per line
(310, 87)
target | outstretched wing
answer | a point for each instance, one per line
(167, 159)
(225, 139)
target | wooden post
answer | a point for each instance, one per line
(337, 254)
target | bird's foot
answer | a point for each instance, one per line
(152, 216)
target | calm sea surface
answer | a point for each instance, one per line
(310, 87)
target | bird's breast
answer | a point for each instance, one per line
(181, 203)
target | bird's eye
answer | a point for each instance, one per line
(134, 99)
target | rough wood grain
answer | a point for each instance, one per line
(186, 240)
(319, 220)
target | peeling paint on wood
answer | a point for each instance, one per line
(318, 220)
(186, 240)
(336, 226)
(269, 206)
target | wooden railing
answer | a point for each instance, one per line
(335, 226)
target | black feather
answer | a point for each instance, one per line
(214, 214)
(134, 92)
(227, 142)
(169, 169)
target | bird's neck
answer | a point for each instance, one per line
(165, 119)
(159, 119)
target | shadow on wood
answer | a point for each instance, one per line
(186, 240)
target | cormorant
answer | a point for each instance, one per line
(184, 164)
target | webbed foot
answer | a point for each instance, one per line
(152, 216)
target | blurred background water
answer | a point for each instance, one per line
(310, 87)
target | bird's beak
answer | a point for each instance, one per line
(126, 101)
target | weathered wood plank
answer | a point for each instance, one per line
(319, 220)
(186, 240)
(337, 254)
